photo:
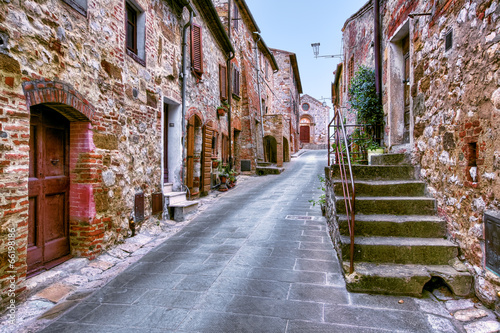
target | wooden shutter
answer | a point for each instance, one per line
(196, 49)
(223, 82)
(206, 162)
(236, 81)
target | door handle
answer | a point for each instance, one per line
(54, 162)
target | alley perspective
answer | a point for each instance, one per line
(174, 166)
(259, 259)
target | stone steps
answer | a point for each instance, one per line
(405, 279)
(390, 205)
(399, 241)
(422, 226)
(377, 188)
(400, 250)
(177, 204)
(268, 170)
(378, 172)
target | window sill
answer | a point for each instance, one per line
(136, 58)
(236, 97)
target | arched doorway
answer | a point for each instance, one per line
(60, 189)
(286, 150)
(271, 149)
(48, 189)
(194, 154)
(305, 130)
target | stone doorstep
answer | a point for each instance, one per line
(404, 279)
(55, 292)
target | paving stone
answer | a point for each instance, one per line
(216, 322)
(440, 324)
(459, 304)
(55, 292)
(315, 293)
(470, 314)
(487, 326)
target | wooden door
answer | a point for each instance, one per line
(206, 155)
(304, 134)
(48, 190)
(190, 153)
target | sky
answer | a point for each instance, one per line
(293, 25)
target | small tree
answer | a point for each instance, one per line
(363, 97)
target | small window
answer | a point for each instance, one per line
(350, 69)
(78, 5)
(223, 82)
(236, 17)
(267, 70)
(305, 106)
(236, 81)
(135, 32)
(448, 40)
(196, 50)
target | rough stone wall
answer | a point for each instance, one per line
(246, 117)
(454, 111)
(319, 118)
(286, 97)
(203, 96)
(357, 35)
(455, 106)
(118, 152)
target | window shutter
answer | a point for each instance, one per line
(236, 81)
(196, 49)
(223, 82)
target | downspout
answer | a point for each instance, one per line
(184, 75)
(229, 86)
(258, 92)
(376, 29)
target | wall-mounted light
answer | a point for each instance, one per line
(315, 47)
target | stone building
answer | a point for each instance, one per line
(284, 116)
(251, 78)
(314, 118)
(95, 107)
(440, 87)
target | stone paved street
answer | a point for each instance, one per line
(258, 260)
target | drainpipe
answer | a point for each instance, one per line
(376, 28)
(229, 86)
(184, 75)
(258, 91)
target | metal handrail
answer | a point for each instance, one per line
(346, 178)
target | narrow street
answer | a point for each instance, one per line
(259, 260)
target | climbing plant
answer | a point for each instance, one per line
(363, 97)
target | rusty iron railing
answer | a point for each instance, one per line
(343, 159)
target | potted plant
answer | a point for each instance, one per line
(374, 149)
(222, 109)
(223, 176)
(215, 163)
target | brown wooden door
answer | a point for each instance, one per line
(48, 190)
(190, 153)
(206, 155)
(304, 134)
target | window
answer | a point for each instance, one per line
(267, 70)
(135, 32)
(236, 81)
(305, 107)
(78, 5)
(223, 82)
(350, 69)
(196, 50)
(449, 40)
(236, 17)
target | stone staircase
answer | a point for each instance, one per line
(400, 243)
(177, 203)
(267, 168)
